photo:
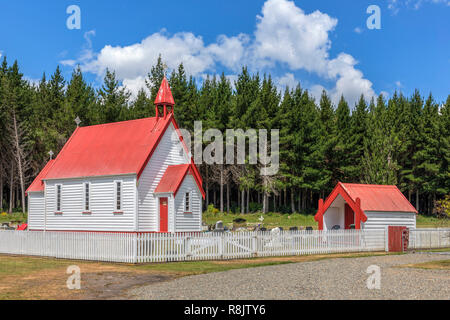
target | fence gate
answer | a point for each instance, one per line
(395, 238)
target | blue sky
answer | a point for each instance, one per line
(323, 44)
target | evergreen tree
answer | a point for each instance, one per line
(342, 147)
(358, 139)
(113, 100)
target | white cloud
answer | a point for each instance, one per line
(135, 85)
(396, 5)
(288, 80)
(398, 84)
(285, 36)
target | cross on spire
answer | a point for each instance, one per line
(165, 67)
(77, 121)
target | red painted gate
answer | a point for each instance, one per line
(163, 215)
(396, 239)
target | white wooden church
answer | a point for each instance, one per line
(130, 176)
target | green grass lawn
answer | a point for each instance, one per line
(272, 220)
(432, 222)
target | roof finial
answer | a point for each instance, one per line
(51, 154)
(77, 121)
(165, 67)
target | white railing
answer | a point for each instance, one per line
(156, 247)
(110, 247)
(429, 238)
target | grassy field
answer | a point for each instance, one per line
(45, 278)
(432, 222)
(286, 221)
(271, 220)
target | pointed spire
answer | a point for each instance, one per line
(164, 96)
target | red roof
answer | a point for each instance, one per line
(379, 197)
(38, 185)
(164, 95)
(108, 149)
(174, 176)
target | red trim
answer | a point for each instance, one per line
(189, 169)
(144, 164)
(197, 173)
(355, 205)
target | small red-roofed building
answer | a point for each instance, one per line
(365, 206)
(131, 176)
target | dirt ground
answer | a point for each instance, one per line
(98, 281)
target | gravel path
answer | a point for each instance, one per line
(343, 278)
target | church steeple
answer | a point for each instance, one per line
(164, 102)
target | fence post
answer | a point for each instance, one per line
(221, 236)
(386, 239)
(255, 244)
(135, 238)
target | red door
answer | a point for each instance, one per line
(349, 216)
(163, 215)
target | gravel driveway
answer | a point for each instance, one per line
(343, 278)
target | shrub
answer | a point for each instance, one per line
(254, 207)
(442, 208)
(212, 210)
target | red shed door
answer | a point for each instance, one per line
(163, 215)
(349, 216)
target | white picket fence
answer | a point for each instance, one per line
(429, 238)
(156, 247)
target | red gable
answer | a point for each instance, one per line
(174, 176)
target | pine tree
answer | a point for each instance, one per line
(328, 140)
(142, 106)
(358, 139)
(80, 100)
(113, 100)
(342, 147)
(427, 155)
(378, 161)
(155, 77)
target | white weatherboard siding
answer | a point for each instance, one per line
(380, 220)
(167, 153)
(188, 222)
(102, 205)
(36, 209)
